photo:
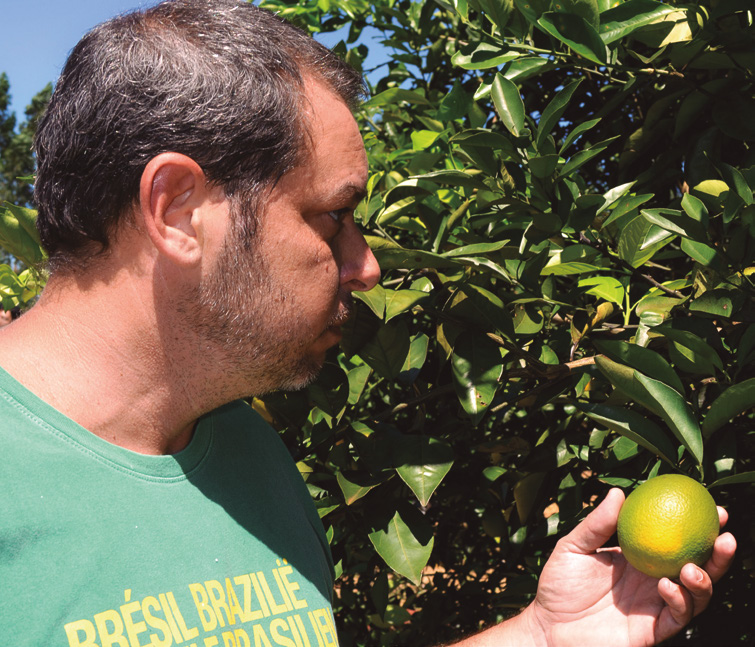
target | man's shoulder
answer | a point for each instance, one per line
(243, 428)
(240, 412)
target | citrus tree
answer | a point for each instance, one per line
(16, 167)
(561, 202)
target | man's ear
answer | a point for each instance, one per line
(172, 188)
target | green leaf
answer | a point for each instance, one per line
(604, 287)
(737, 399)
(528, 320)
(703, 254)
(485, 138)
(567, 269)
(477, 367)
(358, 377)
(677, 223)
(462, 7)
(575, 32)
(733, 115)
(700, 356)
(480, 248)
(482, 57)
(677, 414)
(612, 196)
(744, 477)
(498, 12)
(526, 493)
(532, 9)
(330, 392)
(27, 218)
(554, 110)
(634, 426)
(399, 301)
(395, 95)
(481, 261)
(734, 178)
(508, 104)
(544, 166)
(387, 351)
(478, 307)
(15, 238)
(11, 288)
(627, 17)
(525, 67)
(714, 302)
(422, 462)
(392, 258)
(578, 131)
(581, 158)
(643, 359)
(374, 298)
(695, 208)
(625, 205)
(353, 491)
(656, 304)
(404, 544)
(622, 377)
(404, 208)
(587, 9)
(455, 178)
(454, 105)
(415, 360)
(632, 242)
(422, 139)
(746, 347)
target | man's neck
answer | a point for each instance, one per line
(109, 365)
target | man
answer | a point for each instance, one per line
(198, 171)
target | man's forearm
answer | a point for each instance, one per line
(522, 630)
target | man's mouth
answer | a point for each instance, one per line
(342, 314)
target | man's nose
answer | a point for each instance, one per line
(359, 269)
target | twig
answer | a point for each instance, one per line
(663, 288)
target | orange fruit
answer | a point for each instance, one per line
(666, 522)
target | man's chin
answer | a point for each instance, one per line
(306, 372)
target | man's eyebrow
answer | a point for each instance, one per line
(353, 193)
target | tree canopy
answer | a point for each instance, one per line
(561, 203)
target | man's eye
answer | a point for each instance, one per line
(339, 214)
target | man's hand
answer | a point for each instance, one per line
(588, 595)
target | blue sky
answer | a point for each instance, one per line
(37, 36)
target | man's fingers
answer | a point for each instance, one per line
(685, 601)
(723, 516)
(597, 528)
(679, 607)
(699, 585)
(723, 554)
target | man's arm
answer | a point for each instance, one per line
(588, 595)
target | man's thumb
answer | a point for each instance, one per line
(598, 526)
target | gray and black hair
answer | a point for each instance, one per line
(217, 80)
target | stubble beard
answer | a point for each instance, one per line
(254, 321)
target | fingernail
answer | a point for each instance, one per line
(698, 575)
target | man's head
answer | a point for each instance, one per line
(215, 80)
(271, 312)
(211, 149)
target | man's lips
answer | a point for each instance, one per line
(343, 313)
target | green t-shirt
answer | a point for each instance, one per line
(100, 546)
